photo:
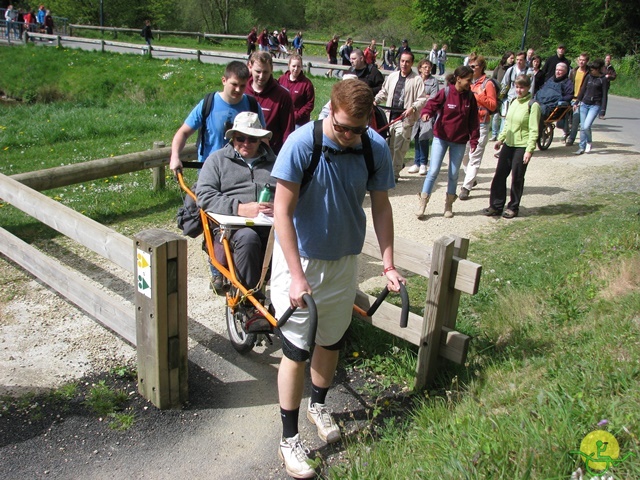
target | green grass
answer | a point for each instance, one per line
(556, 327)
(104, 400)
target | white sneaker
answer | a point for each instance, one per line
(320, 416)
(413, 169)
(423, 170)
(294, 455)
(588, 148)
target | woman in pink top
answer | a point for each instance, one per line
(456, 113)
(300, 88)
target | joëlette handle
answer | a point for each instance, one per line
(313, 317)
(404, 316)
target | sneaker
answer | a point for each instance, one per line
(320, 416)
(464, 194)
(493, 139)
(295, 457)
(414, 169)
(423, 170)
(563, 138)
(579, 152)
(569, 143)
(588, 148)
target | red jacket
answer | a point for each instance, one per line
(369, 56)
(457, 116)
(486, 98)
(277, 108)
(303, 96)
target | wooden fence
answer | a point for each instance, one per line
(162, 368)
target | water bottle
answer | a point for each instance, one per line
(265, 194)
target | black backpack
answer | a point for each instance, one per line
(207, 106)
(497, 87)
(367, 152)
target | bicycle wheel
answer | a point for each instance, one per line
(241, 341)
(546, 136)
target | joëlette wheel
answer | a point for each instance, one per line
(241, 341)
(546, 136)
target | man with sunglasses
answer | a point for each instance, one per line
(320, 229)
(229, 184)
(225, 106)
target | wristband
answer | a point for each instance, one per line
(388, 269)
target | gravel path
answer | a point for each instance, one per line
(45, 342)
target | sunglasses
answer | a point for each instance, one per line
(346, 128)
(242, 139)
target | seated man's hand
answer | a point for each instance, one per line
(266, 209)
(253, 209)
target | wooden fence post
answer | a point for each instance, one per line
(158, 172)
(435, 310)
(161, 317)
(198, 53)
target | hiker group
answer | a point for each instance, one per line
(257, 132)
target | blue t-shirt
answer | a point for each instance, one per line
(329, 219)
(220, 120)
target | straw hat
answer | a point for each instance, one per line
(249, 124)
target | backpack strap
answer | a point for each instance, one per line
(207, 105)
(367, 152)
(253, 103)
(315, 156)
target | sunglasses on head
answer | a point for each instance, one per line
(242, 139)
(346, 128)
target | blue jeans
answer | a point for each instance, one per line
(588, 114)
(422, 151)
(438, 149)
(440, 68)
(496, 124)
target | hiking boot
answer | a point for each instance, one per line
(258, 324)
(508, 213)
(491, 212)
(216, 284)
(448, 205)
(423, 170)
(423, 198)
(464, 194)
(413, 169)
(320, 416)
(295, 457)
